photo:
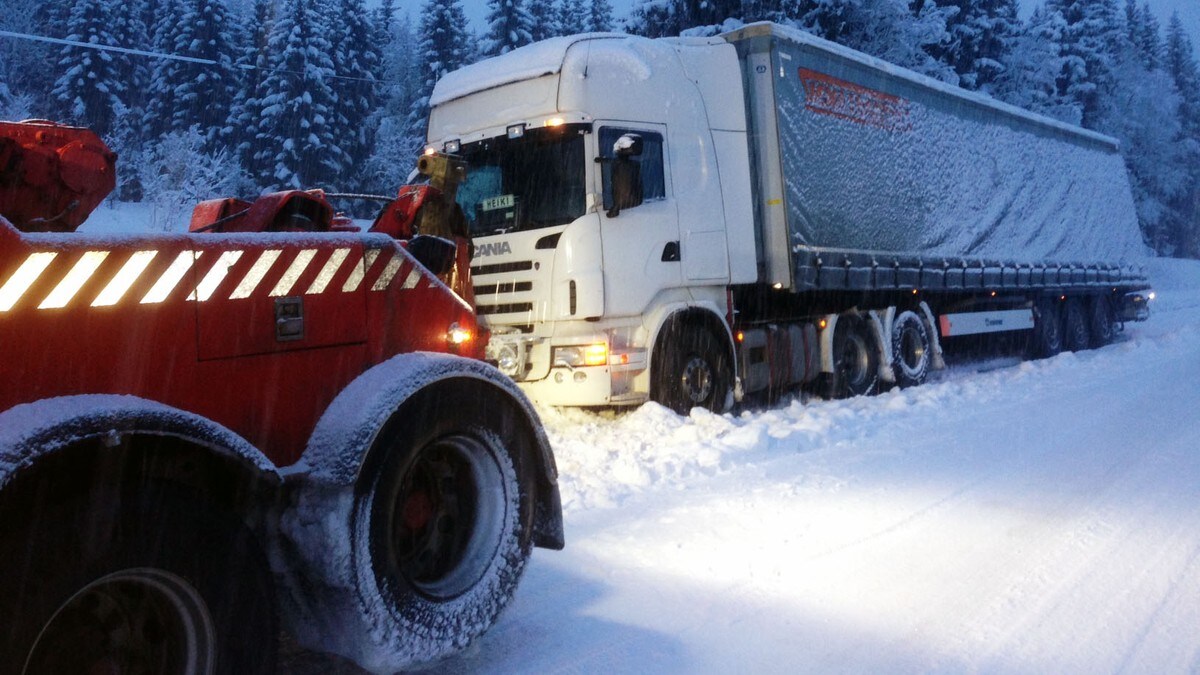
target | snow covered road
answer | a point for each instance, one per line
(1039, 517)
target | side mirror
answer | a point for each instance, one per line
(436, 254)
(628, 145)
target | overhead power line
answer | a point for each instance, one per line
(164, 55)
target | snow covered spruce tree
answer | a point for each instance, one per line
(543, 20)
(247, 103)
(357, 63)
(444, 47)
(572, 17)
(396, 147)
(90, 88)
(980, 35)
(1035, 63)
(184, 94)
(1091, 42)
(600, 19)
(1179, 59)
(295, 135)
(509, 26)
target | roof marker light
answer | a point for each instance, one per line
(555, 122)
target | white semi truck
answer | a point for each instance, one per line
(688, 220)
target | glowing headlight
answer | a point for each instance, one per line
(574, 356)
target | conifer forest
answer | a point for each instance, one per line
(205, 98)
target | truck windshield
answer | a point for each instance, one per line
(524, 183)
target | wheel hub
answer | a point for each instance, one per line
(134, 622)
(697, 379)
(445, 514)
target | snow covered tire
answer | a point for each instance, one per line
(155, 581)
(1047, 337)
(446, 523)
(1101, 321)
(1075, 326)
(855, 359)
(692, 369)
(911, 349)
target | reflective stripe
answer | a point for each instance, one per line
(124, 279)
(215, 276)
(170, 279)
(293, 273)
(255, 276)
(360, 271)
(328, 272)
(23, 278)
(75, 279)
(414, 277)
(389, 273)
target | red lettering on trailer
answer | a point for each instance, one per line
(827, 95)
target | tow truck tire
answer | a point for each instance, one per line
(1047, 337)
(1075, 326)
(693, 370)
(160, 582)
(448, 520)
(1101, 322)
(911, 349)
(855, 359)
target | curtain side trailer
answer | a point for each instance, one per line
(688, 219)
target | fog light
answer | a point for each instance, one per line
(508, 361)
(558, 377)
(516, 131)
(452, 147)
(580, 376)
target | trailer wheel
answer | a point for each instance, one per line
(1075, 327)
(449, 519)
(1047, 337)
(910, 349)
(1101, 322)
(694, 370)
(855, 359)
(162, 583)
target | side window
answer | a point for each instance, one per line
(650, 163)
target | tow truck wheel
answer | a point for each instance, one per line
(1075, 327)
(910, 349)
(161, 583)
(855, 359)
(1101, 322)
(448, 518)
(691, 371)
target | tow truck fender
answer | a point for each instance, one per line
(338, 447)
(31, 432)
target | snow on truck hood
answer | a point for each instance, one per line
(535, 60)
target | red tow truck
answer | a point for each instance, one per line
(271, 419)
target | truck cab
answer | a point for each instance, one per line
(603, 152)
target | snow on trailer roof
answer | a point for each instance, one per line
(525, 63)
(766, 28)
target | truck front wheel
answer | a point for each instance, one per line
(449, 520)
(692, 370)
(158, 582)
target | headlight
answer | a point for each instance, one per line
(574, 356)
